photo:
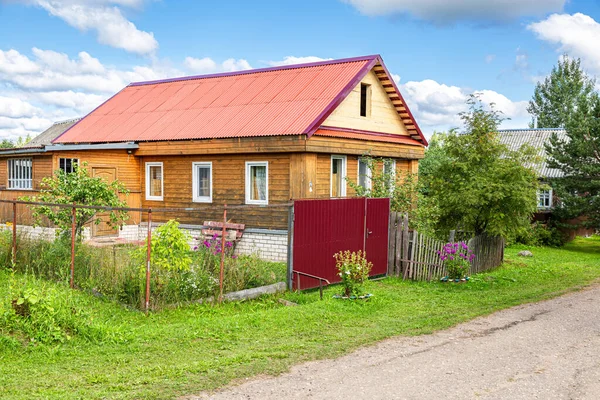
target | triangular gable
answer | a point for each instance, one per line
(407, 123)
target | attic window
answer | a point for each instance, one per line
(365, 100)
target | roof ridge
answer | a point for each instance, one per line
(258, 70)
(531, 129)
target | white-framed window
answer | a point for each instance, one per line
(364, 173)
(338, 176)
(389, 170)
(154, 181)
(20, 173)
(257, 182)
(68, 165)
(545, 199)
(202, 182)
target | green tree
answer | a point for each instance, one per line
(22, 141)
(578, 157)
(479, 184)
(400, 187)
(78, 187)
(556, 98)
(6, 144)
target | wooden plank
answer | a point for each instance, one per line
(405, 245)
(391, 243)
(228, 225)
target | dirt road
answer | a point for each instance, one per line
(548, 350)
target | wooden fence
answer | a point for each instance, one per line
(413, 255)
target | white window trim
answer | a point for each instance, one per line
(247, 174)
(162, 181)
(195, 197)
(368, 181)
(344, 163)
(549, 202)
(14, 180)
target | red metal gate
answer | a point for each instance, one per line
(325, 227)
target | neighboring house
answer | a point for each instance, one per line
(258, 137)
(515, 138)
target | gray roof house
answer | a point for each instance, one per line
(45, 138)
(515, 138)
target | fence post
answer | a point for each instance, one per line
(290, 253)
(14, 233)
(452, 235)
(73, 231)
(223, 234)
(405, 247)
(148, 255)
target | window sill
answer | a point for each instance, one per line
(154, 199)
(257, 203)
(201, 200)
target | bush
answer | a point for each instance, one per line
(353, 269)
(538, 234)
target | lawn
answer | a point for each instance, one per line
(126, 355)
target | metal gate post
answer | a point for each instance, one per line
(290, 252)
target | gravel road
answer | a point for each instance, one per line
(547, 350)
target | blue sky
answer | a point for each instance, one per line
(60, 58)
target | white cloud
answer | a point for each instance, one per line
(16, 108)
(48, 86)
(290, 60)
(208, 65)
(106, 19)
(448, 11)
(577, 34)
(396, 78)
(436, 106)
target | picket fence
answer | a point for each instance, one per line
(414, 256)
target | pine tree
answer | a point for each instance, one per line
(555, 99)
(578, 157)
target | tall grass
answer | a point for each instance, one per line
(117, 272)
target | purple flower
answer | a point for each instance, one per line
(234, 256)
(450, 257)
(228, 244)
(206, 243)
(195, 247)
(215, 236)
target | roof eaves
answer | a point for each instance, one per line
(258, 70)
(404, 102)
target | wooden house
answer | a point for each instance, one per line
(259, 137)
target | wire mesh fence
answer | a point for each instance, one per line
(150, 257)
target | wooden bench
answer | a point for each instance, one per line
(233, 232)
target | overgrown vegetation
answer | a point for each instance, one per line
(179, 274)
(184, 351)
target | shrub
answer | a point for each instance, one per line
(538, 234)
(353, 269)
(457, 258)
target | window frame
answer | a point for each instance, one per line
(344, 174)
(195, 167)
(249, 165)
(369, 174)
(549, 197)
(28, 179)
(392, 173)
(72, 164)
(162, 180)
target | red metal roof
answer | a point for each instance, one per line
(363, 135)
(285, 100)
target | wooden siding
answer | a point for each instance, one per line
(324, 144)
(127, 165)
(303, 176)
(383, 116)
(41, 167)
(267, 144)
(228, 179)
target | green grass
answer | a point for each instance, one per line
(187, 350)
